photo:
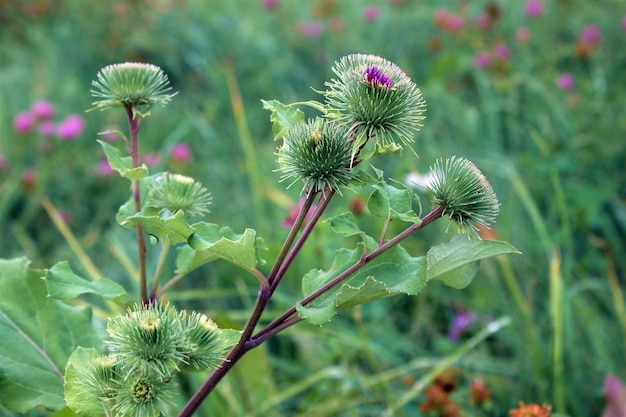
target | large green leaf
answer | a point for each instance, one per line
(393, 272)
(64, 284)
(456, 262)
(210, 242)
(37, 336)
(123, 164)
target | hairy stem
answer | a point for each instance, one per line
(133, 124)
(284, 259)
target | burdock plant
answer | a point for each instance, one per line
(371, 109)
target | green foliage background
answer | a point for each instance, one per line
(555, 159)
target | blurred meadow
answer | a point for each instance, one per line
(532, 92)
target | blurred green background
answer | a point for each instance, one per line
(533, 96)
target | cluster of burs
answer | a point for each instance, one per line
(147, 347)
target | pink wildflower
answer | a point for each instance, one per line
(309, 29)
(23, 122)
(152, 159)
(110, 136)
(591, 35)
(448, 22)
(502, 52)
(181, 153)
(522, 34)
(269, 4)
(533, 8)
(29, 179)
(482, 60)
(615, 397)
(103, 168)
(42, 110)
(483, 21)
(624, 23)
(371, 13)
(70, 128)
(293, 214)
(565, 81)
(47, 128)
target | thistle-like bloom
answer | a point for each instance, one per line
(100, 375)
(203, 343)
(172, 192)
(143, 394)
(131, 84)
(462, 190)
(373, 96)
(318, 153)
(148, 337)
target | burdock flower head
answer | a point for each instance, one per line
(463, 192)
(172, 192)
(148, 337)
(203, 343)
(143, 394)
(376, 100)
(135, 85)
(318, 153)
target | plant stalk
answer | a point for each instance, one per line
(133, 124)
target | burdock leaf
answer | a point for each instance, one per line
(64, 284)
(123, 164)
(456, 262)
(394, 272)
(37, 336)
(175, 227)
(210, 242)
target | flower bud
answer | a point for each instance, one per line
(148, 337)
(318, 153)
(462, 190)
(203, 344)
(131, 84)
(172, 192)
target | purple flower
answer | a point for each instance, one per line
(565, 81)
(374, 76)
(533, 8)
(23, 122)
(309, 29)
(483, 21)
(371, 13)
(70, 128)
(460, 323)
(47, 128)
(103, 168)
(42, 109)
(615, 397)
(591, 35)
(181, 153)
(3, 163)
(522, 34)
(269, 4)
(152, 159)
(293, 214)
(482, 60)
(502, 52)
(110, 136)
(624, 23)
